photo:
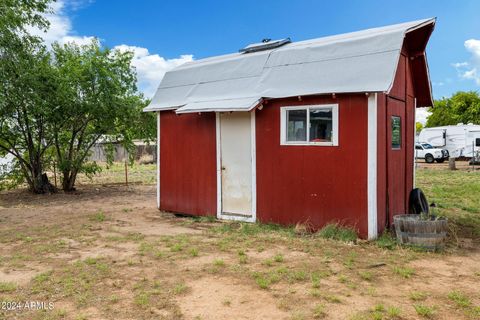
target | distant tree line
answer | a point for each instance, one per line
(461, 107)
(57, 102)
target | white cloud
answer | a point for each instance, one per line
(83, 40)
(421, 115)
(151, 67)
(61, 29)
(470, 70)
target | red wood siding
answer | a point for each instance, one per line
(188, 182)
(396, 161)
(400, 174)
(381, 162)
(314, 184)
(398, 89)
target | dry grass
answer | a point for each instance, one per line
(106, 252)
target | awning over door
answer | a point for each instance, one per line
(240, 104)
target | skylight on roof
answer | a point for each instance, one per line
(266, 44)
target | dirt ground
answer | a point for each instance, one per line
(106, 252)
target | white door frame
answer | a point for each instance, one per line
(372, 166)
(253, 216)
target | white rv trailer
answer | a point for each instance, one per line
(462, 140)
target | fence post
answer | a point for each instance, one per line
(126, 173)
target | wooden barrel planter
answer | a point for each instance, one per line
(415, 230)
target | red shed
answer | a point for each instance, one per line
(315, 131)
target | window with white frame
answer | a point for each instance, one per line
(309, 125)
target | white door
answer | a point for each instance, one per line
(236, 165)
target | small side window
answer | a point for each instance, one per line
(297, 125)
(418, 148)
(396, 132)
(321, 125)
(309, 125)
(477, 142)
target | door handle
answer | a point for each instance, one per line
(223, 168)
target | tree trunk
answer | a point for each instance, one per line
(451, 163)
(40, 183)
(68, 183)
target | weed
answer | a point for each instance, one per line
(319, 311)
(371, 291)
(366, 275)
(418, 296)
(218, 263)
(242, 259)
(180, 288)
(42, 277)
(337, 232)
(98, 217)
(393, 312)
(142, 299)
(7, 286)
(386, 241)
(284, 304)
(299, 275)
(315, 293)
(315, 280)
(268, 262)
(460, 299)
(134, 236)
(424, 311)
(193, 252)
(342, 278)
(404, 272)
(177, 247)
(332, 298)
(227, 302)
(262, 282)
(350, 260)
(379, 307)
(146, 247)
(278, 257)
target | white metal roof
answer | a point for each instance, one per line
(363, 61)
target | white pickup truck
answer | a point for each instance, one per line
(429, 153)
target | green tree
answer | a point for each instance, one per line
(27, 83)
(56, 104)
(98, 100)
(418, 127)
(462, 107)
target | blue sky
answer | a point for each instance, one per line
(167, 33)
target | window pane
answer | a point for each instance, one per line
(321, 125)
(296, 125)
(396, 132)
